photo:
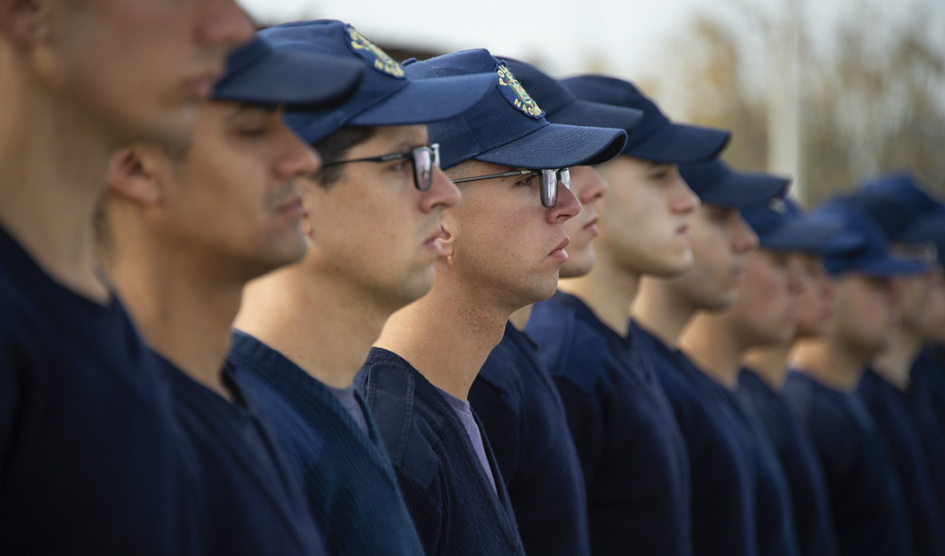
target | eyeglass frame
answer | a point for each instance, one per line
(548, 190)
(410, 155)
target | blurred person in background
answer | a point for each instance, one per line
(863, 486)
(726, 474)
(765, 315)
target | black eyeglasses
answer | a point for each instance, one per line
(549, 182)
(423, 160)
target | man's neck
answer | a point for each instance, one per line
(895, 362)
(829, 362)
(770, 363)
(713, 347)
(323, 324)
(608, 290)
(447, 335)
(52, 166)
(183, 314)
(660, 311)
(520, 318)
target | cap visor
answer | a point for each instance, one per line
(744, 190)
(594, 114)
(428, 100)
(559, 146)
(801, 235)
(682, 144)
(845, 243)
(882, 266)
(294, 79)
(924, 230)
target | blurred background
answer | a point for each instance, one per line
(827, 91)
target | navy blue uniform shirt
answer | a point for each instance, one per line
(773, 509)
(524, 417)
(866, 501)
(90, 454)
(347, 478)
(454, 504)
(926, 399)
(890, 410)
(724, 477)
(795, 449)
(250, 501)
(633, 455)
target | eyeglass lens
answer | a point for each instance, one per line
(549, 185)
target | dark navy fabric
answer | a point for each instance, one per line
(795, 449)
(926, 395)
(632, 453)
(774, 512)
(866, 501)
(90, 454)
(346, 475)
(723, 476)
(524, 417)
(250, 501)
(453, 504)
(890, 410)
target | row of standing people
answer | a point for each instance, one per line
(586, 433)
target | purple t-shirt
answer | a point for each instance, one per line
(472, 429)
(347, 399)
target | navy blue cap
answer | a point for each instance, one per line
(508, 126)
(656, 138)
(385, 96)
(781, 225)
(906, 213)
(874, 257)
(716, 183)
(561, 106)
(257, 74)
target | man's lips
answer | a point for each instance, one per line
(558, 253)
(432, 243)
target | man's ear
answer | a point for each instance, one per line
(447, 239)
(131, 175)
(24, 22)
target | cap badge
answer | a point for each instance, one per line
(778, 205)
(517, 96)
(375, 57)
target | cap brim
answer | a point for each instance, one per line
(428, 100)
(301, 81)
(925, 229)
(744, 190)
(845, 243)
(682, 144)
(594, 114)
(801, 235)
(883, 266)
(559, 146)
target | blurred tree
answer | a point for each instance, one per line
(871, 101)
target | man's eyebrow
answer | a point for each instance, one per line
(243, 108)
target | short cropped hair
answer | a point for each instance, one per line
(334, 147)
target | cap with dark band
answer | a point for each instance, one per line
(716, 183)
(258, 74)
(385, 96)
(508, 126)
(655, 138)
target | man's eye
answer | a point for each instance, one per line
(252, 131)
(527, 181)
